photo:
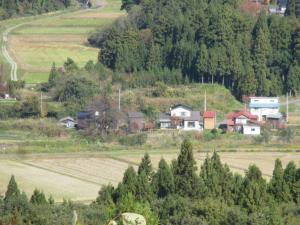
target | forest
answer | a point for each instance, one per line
(176, 194)
(10, 8)
(208, 42)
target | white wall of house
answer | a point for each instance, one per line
(165, 124)
(251, 130)
(192, 125)
(241, 120)
(264, 100)
(263, 112)
(180, 112)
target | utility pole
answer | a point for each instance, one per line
(41, 104)
(119, 99)
(205, 101)
(287, 107)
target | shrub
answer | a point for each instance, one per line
(134, 139)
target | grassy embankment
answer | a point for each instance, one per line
(36, 45)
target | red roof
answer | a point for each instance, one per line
(209, 114)
(241, 113)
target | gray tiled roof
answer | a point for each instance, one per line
(164, 116)
(195, 116)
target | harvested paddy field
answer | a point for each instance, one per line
(80, 176)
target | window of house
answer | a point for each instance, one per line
(191, 124)
(182, 113)
(252, 129)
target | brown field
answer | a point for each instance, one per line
(80, 176)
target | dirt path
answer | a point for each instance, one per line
(9, 59)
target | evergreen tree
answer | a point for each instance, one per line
(185, 177)
(163, 180)
(38, 198)
(293, 78)
(146, 167)
(260, 57)
(253, 193)
(128, 184)
(202, 62)
(277, 186)
(54, 74)
(12, 190)
(144, 191)
(290, 8)
(217, 178)
(289, 176)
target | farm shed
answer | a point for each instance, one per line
(209, 120)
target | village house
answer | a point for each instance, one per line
(181, 117)
(136, 121)
(262, 107)
(243, 122)
(236, 120)
(210, 120)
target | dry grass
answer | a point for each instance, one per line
(238, 162)
(80, 176)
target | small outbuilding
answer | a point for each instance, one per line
(209, 120)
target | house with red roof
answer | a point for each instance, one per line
(244, 122)
(209, 120)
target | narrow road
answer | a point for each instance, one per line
(9, 59)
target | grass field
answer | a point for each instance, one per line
(79, 177)
(39, 43)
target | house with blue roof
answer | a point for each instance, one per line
(264, 107)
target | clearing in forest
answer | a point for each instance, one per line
(36, 45)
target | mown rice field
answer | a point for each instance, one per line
(79, 177)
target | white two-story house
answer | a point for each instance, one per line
(181, 117)
(262, 107)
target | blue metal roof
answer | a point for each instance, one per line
(264, 105)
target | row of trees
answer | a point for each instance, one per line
(9, 8)
(208, 41)
(174, 194)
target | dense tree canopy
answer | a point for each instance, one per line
(208, 41)
(9, 8)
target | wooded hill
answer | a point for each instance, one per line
(9, 8)
(208, 41)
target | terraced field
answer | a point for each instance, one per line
(36, 45)
(79, 176)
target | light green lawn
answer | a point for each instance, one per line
(35, 59)
(54, 30)
(36, 78)
(45, 56)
